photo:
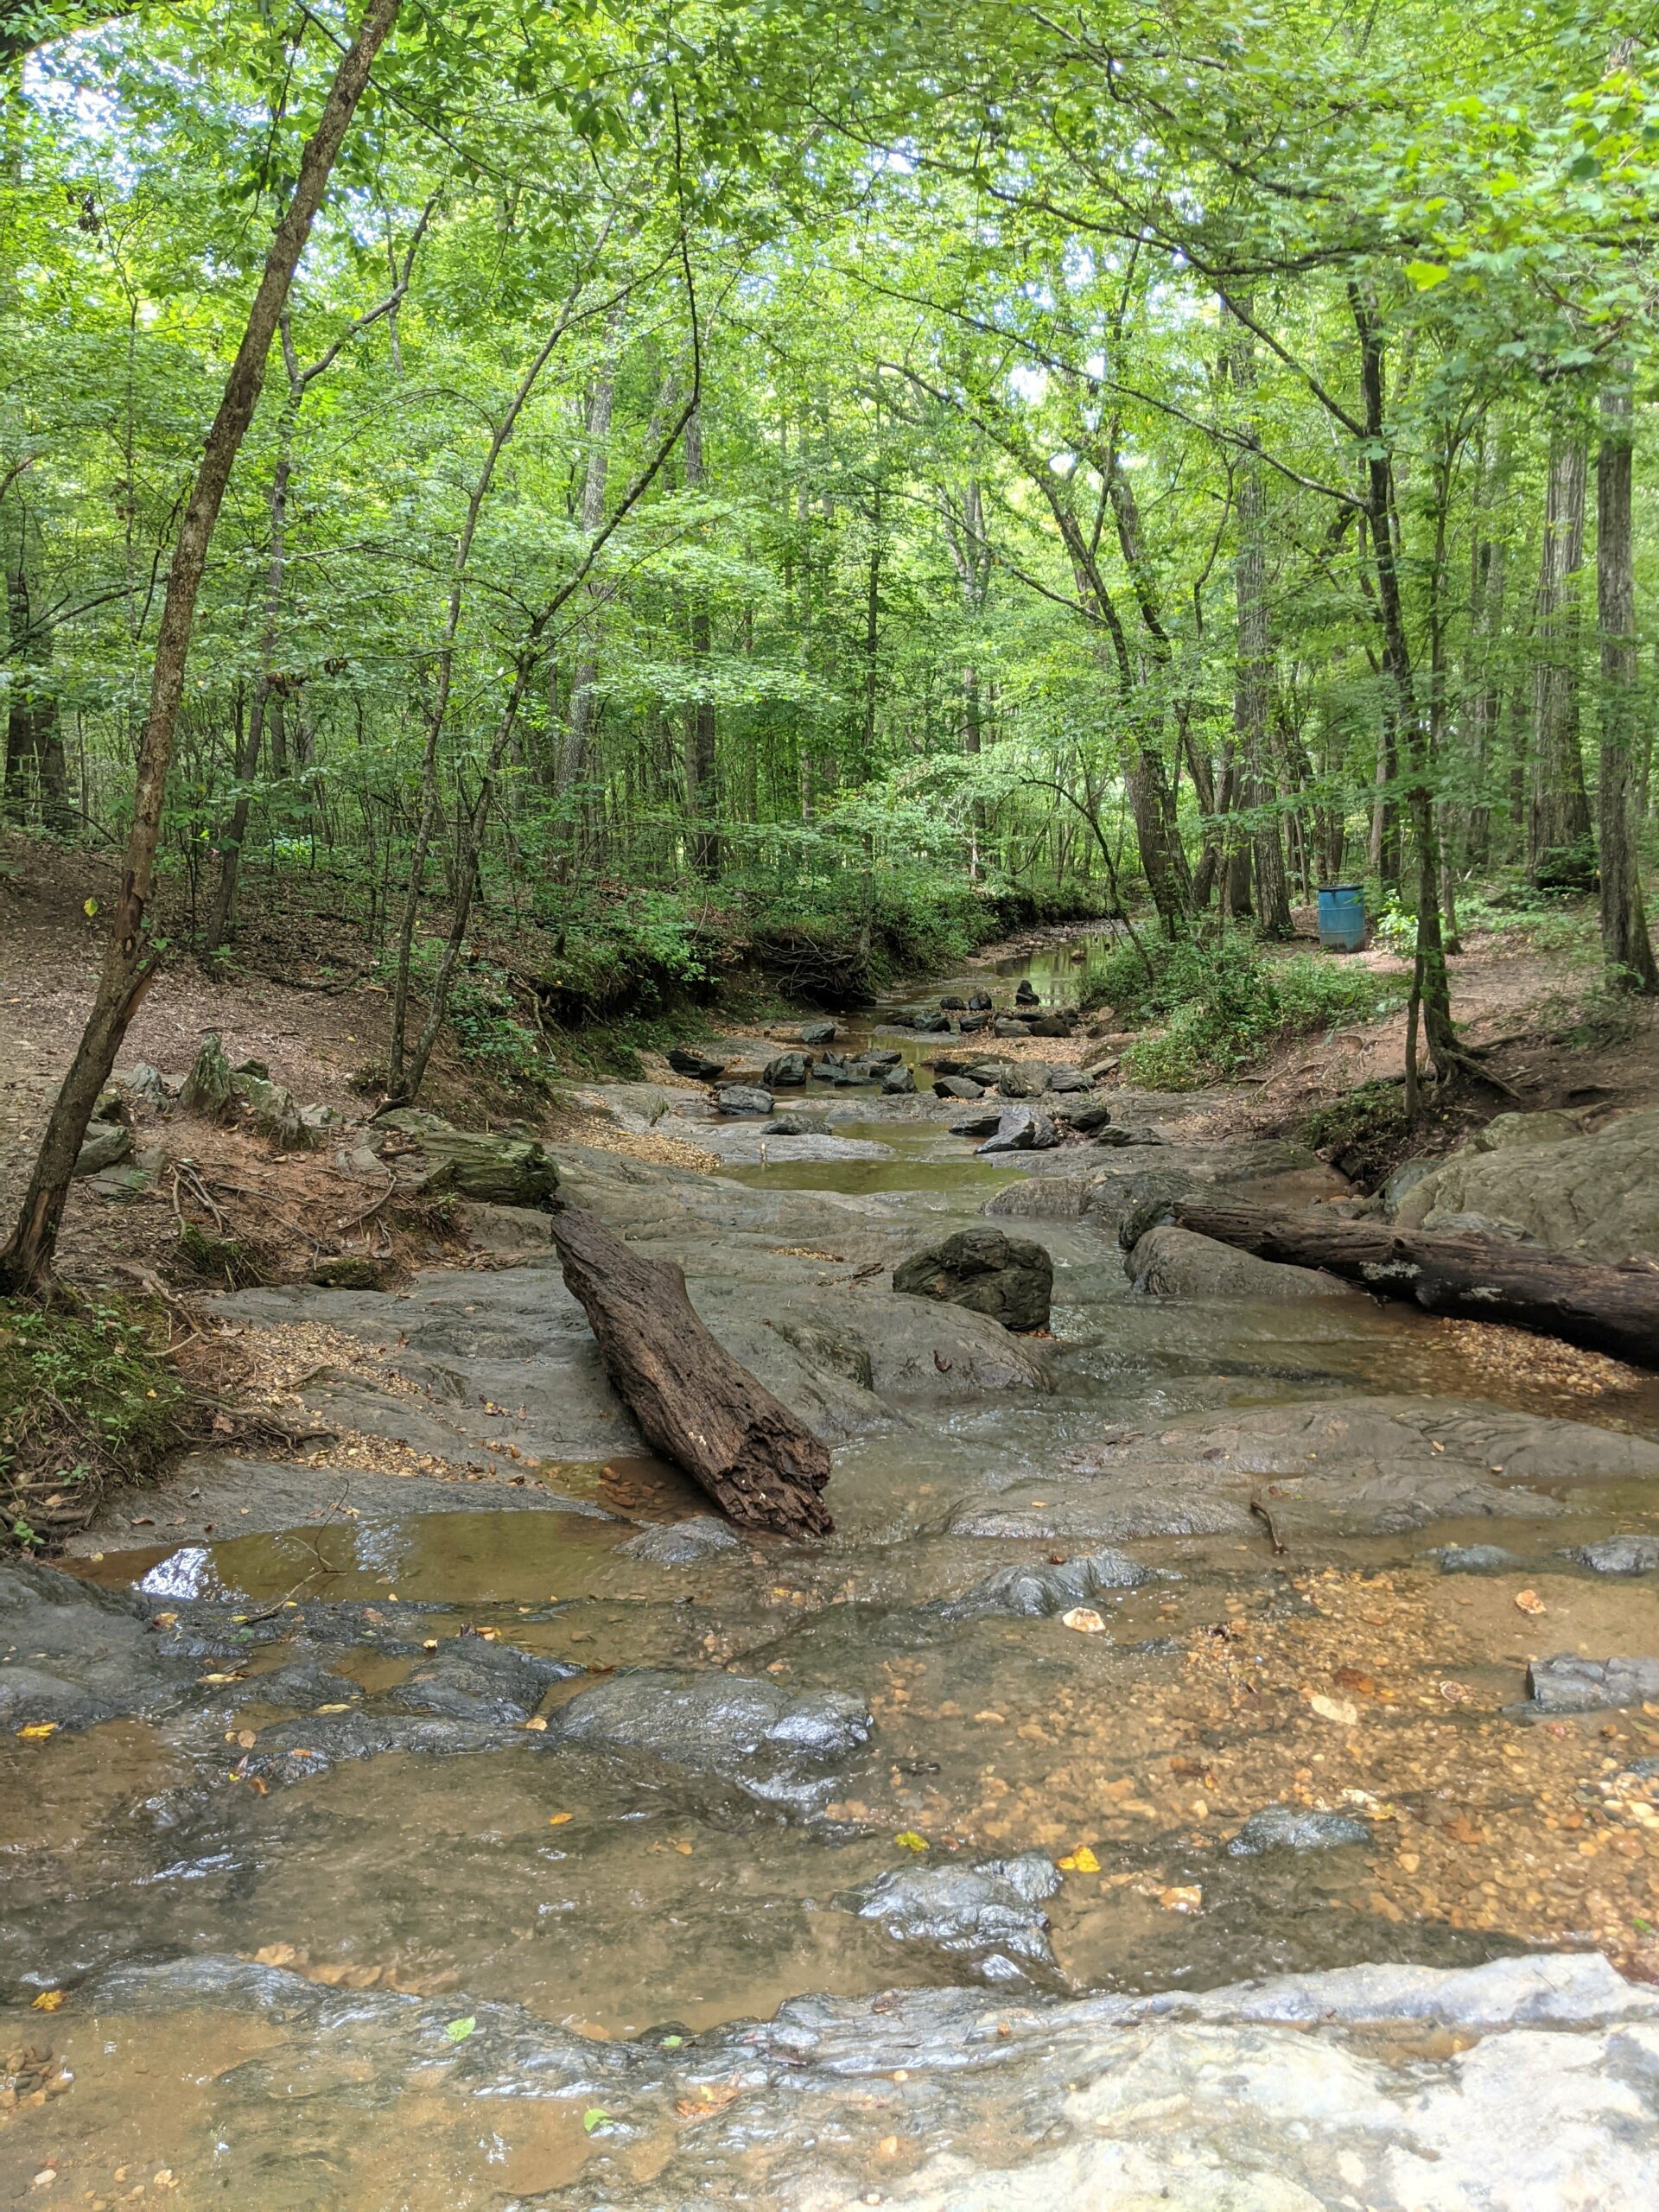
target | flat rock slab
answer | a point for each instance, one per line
(1529, 2083)
(1566, 1683)
(1596, 1197)
(1171, 1263)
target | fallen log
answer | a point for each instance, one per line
(692, 1400)
(1590, 1302)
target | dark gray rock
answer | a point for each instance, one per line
(143, 1083)
(206, 1089)
(74, 1654)
(930, 1021)
(1286, 1828)
(971, 1024)
(1566, 1683)
(1618, 1555)
(703, 1067)
(787, 1125)
(980, 1001)
(1021, 1593)
(105, 1144)
(1474, 1559)
(1070, 1079)
(878, 1056)
(742, 1098)
(1170, 1262)
(275, 1110)
(898, 1082)
(978, 1125)
(1089, 1117)
(301, 1751)
(1008, 1278)
(957, 1086)
(784, 1748)
(1005, 1026)
(683, 1543)
(788, 1070)
(1025, 993)
(1021, 1129)
(990, 1911)
(1051, 1024)
(469, 1679)
(1023, 1079)
(954, 1005)
(351, 1273)
(816, 1033)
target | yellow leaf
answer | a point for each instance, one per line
(334, 1708)
(1085, 1620)
(276, 1955)
(907, 1840)
(1081, 1861)
(558, 1820)
(536, 1725)
(1182, 1897)
(38, 1730)
(89, 907)
(1528, 1601)
(49, 2001)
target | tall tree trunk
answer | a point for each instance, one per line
(1253, 667)
(702, 793)
(222, 914)
(34, 739)
(130, 959)
(1559, 847)
(578, 730)
(1625, 945)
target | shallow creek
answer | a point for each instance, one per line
(281, 1924)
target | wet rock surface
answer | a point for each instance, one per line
(1008, 1278)
(1597, 1195)
(1170, 1262)
(430, 1814)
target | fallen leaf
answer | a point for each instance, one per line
(458, 2030)
(1339, 1709)
(334, 1708)
(594, 2118)
(1084, 1619)
(1182, 1897)
(1081, 1861)
(1350, 1678)
(888, 2146)
(1528, 1601)
(907, 1840)
(536, 1725)
(1456, 1692)
(558, 1820)
(38, 1730)
(49, 2001)
(276, 1955)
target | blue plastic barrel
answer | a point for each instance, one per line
(1342, 917)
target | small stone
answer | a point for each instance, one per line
(1282, 1828)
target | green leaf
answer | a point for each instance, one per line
(1426, 275)
(458, 2030)
(594, 2118)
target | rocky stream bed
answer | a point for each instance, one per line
(1213, 1764)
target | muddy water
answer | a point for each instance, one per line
(614, 1898)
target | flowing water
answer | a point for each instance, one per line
(641, 1902)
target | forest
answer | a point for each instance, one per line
(798, 473)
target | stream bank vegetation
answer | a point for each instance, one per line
(800, 488)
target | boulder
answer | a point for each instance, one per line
(275, 1111)
(500, 1170)
(206, 1089)
(1170, 1262)
(1070, 1079)
(1565, 1684)
(1474, 1559)
(990, 1911)
(1020, 1593)
(1087, 1116)
(954, 1006)
(877, 1056)
(980, 1001)
(681, 1543)
(104, 1145)
(1004, 1026)
(969, 1025)
(1020, 1129)
(1596, 1197)
(978, 1125)
(957, 1086)
(743, 1098)
(1025, 993)
(1007, 1278)
(816, 1033)
(143, 1083)
(703, 1067)
(1286, 1828)
(1618, 1555)
(787, 1071)
(1051, 1024)
(898, 1082)
(1023, 1079)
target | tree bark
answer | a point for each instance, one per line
(1559, 848)
(1252, 668)
(34, 740)
(578, 733)
(692, 1400)
(700, 793)
(131, 960)
(1626, 947)
(1604, 1307)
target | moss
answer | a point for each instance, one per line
(87, 1395)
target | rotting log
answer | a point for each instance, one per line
(692, 1400)
(1603, 1306)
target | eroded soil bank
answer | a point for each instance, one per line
(1155, 1791)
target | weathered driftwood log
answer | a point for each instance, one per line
(692, 1400)
(1609, 1309)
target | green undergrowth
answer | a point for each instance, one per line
(87, 1396)
(1219, 1006)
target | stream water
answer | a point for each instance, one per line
(640, 1895)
